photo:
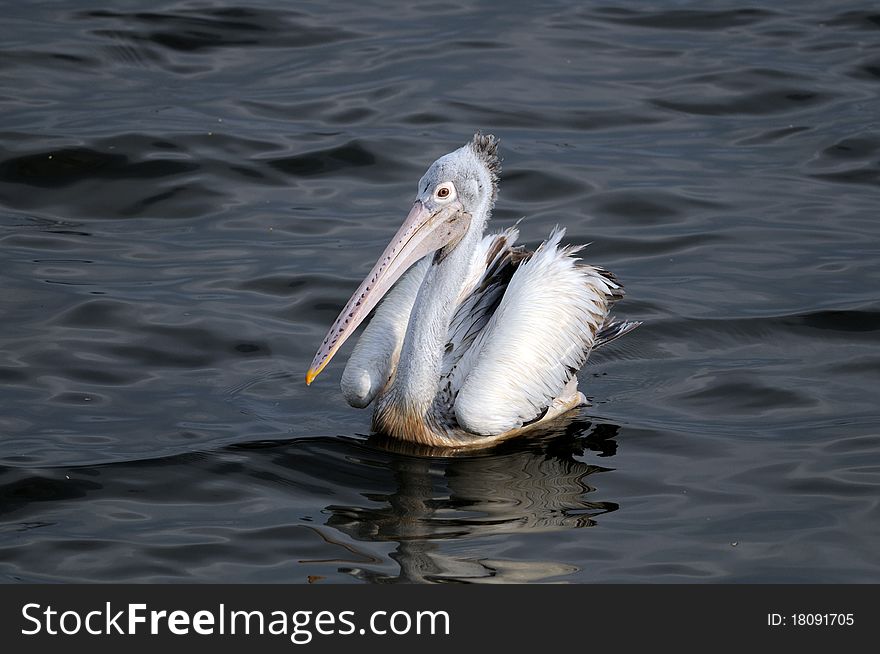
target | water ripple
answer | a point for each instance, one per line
(189, 192)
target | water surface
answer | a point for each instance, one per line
(190, 191)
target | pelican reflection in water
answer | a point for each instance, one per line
(480, 339)
(440, 511)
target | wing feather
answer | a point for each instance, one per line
(614, 329)
(501, 260)
(538, 336)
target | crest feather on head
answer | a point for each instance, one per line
(485, 147)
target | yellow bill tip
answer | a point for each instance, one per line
(314, 372)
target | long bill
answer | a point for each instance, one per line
(423, 232)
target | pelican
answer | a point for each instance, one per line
(480, 339)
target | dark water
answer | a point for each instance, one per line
(190, 191)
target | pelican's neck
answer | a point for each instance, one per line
(418, 369)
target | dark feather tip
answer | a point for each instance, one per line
(485, 146)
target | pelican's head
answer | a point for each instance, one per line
(466, 178)
(455, 195)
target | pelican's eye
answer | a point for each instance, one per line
(445, 191)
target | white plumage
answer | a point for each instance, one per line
(480, 339)
(536, 340)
